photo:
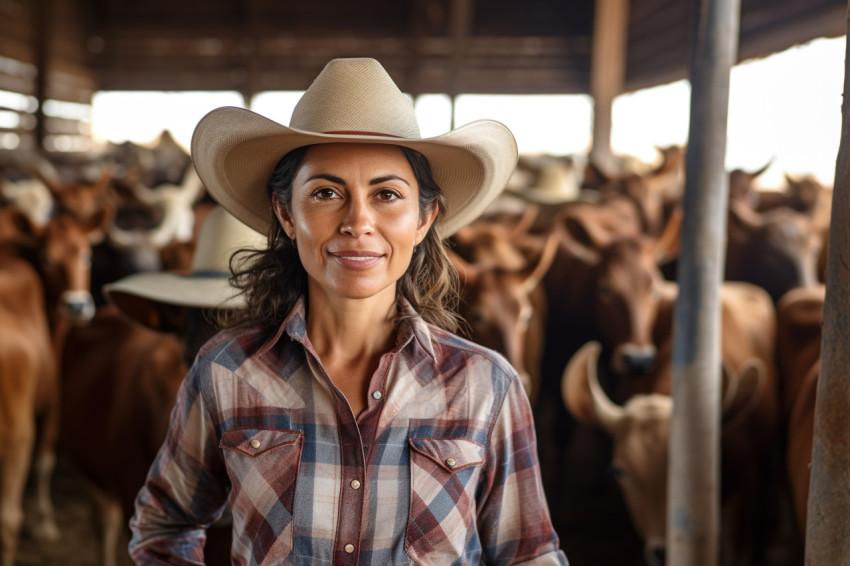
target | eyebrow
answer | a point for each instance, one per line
(376, 181)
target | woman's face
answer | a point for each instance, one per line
(355, 218)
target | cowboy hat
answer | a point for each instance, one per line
(145, 297)
(351, 101)
(556, 180)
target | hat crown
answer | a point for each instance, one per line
(355, 96)
(220, 236)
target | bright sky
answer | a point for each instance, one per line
(785, 107)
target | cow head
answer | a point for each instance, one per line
(629, 286)
(777, 249)
(503, 309)
(640, 430)
(66, 253)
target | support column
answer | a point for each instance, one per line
(693, 519)
(607, 75)
(827, 531)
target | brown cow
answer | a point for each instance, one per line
(45, 289)
(506, 310)
(748, 326)
(122, 371)
(26, 364)
(799, 333)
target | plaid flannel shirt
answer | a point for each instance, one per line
(440, 468)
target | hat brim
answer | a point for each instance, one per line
(143, 296)
(235, 150)
(541, 197)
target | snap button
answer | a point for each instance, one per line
(255, 443)
(451, 462)
(376, 395)
(349, 548)
(355, 484)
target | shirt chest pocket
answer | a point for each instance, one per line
(444, 474)
(263, 468)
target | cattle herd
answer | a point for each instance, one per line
(576, 287)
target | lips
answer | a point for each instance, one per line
(356, 259)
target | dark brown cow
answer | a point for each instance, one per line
(640, 431)
(799, 333)
(777, 250)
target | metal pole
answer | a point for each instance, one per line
(827, 527)
(694, 467)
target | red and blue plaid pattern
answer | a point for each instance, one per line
(440, 468)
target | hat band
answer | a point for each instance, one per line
(359, 133)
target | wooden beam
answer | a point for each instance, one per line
(607, 75)
(41, 11)
(459, 27)
(827, 536)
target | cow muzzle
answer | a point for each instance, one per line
(77, 306)
(632, 359)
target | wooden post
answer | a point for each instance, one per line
(694, 466)
(827, 527)
(607, 75)
(41, 23)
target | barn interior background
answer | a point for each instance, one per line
(56, 56)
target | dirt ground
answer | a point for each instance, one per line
(79, 543)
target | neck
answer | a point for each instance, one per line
(351, 328)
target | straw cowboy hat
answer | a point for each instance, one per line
(352, 100)
(557, 180)
(146, 297)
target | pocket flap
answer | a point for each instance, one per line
(451, 454)
(255, 441)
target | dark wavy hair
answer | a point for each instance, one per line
(273, 279)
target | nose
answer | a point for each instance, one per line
(358, 220)
(638, 360)
(78, 306)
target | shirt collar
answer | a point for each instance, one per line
(411, 328)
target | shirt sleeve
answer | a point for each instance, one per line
(514, 522)
(185, 490)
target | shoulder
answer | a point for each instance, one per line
(232, 346)
(453, 352)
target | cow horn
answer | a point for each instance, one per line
(529, 215)
(465, 270)
(550, 248)
(582, 393)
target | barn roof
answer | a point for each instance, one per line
(452, 46)
(66, 50)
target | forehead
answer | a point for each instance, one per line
(356, 155)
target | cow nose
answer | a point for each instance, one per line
(639, 361)
(78, 306)
(656, 555)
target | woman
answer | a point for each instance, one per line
(338, 417)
